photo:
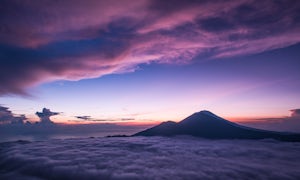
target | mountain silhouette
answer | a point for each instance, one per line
(208, 125)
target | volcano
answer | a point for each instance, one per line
(208, 125)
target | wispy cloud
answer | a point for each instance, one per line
(84, 117)
(71, 40)
(90, 119)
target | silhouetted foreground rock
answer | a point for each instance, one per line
(207, 125)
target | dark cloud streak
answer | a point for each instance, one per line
(90, 119)
(84, 117)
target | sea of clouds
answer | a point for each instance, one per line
(149, 158)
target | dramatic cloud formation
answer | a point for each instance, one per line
(45, 116)
(149, 158)
(74, 39)
(7, 117)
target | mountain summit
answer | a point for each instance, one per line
(208, 125)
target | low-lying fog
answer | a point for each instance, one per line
(149, 158)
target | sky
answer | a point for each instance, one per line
(149, 61)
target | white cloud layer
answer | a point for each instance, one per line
(149, 158)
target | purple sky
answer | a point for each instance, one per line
(149, 60)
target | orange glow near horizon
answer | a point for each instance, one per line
(144, 122)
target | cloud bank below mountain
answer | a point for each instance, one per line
(149, 158)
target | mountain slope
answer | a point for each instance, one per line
(207, 125)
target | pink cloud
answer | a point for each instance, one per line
(71, 40)
(32, 24)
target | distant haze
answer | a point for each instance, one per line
(58, 131)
